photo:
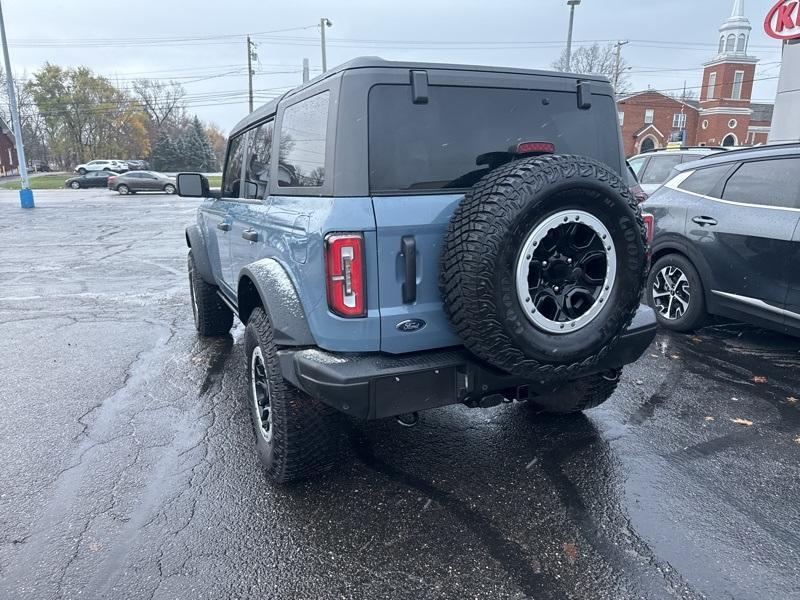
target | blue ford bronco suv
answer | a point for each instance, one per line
(403, 236)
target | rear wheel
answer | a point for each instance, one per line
(579, 394)
(212, 316)
(676, 293)
(123, 189)
(296, 435)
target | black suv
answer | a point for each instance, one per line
(727, 240)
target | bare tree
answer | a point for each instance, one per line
(33, 129)
(163, 102)
(683, 95)
(597, 60)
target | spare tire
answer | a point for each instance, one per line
(543, 265)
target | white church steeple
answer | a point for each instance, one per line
(734, 34)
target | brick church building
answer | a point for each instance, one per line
(724, 115)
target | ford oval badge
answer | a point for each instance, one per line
(410, 325)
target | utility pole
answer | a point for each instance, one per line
(305, 70)
(323, 23)
(251, 54)
(618, 63)
(572, 4)
(25, 192)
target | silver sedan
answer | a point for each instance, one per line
(142, 181)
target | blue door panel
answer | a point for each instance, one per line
(210, 215)
(292, 230)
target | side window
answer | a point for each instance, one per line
(659, 168)
(231, 179)
(301, 162)
(704, 181)
(768, 182)
(636, 164)
(259, 154)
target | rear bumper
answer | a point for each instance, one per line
(375, 385)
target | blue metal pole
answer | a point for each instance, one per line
(25, 192)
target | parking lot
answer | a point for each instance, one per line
(129, 471)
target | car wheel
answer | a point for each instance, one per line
(579, 394)
(675, 291)
(123, 189)
(75, 185)
(296, 435)
(169, 188)
(543, 265)
(81, 171)
(212, 317)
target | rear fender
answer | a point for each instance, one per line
(197, 244)
(266, 283)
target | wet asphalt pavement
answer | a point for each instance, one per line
(127, 465)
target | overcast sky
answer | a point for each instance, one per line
(670, 39)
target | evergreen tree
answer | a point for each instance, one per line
(199, 147)
(164, 156)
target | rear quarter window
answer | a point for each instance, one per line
(704, 181)
(462, 133)
(301, 160)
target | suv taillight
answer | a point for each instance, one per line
(344, 261)
(649, 225)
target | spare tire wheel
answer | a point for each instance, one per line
(543, 265)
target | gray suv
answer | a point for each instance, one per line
(403, 236)
(727, 240)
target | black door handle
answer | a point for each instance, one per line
(250, 235)
(703, 221)
(408, 250)
(224, 226)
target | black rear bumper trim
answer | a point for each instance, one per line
(376, 385)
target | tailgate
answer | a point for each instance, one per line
(424, 220)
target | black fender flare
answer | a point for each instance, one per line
(197, 244)
(266, 283)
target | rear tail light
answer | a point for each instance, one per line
(535, 148)
(649, 225)
(344, 261)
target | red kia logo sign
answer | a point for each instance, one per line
(783, 20)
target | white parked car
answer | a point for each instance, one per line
(102, 165)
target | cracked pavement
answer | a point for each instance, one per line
(129, 471)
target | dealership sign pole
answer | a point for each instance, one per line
(25, 192)
(783, 23)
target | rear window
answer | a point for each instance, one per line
(462, 133)
(659, 168)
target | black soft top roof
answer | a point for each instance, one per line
(366, 62)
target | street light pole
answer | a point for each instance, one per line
(572, 4)
(323, 23)
(25, 192)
